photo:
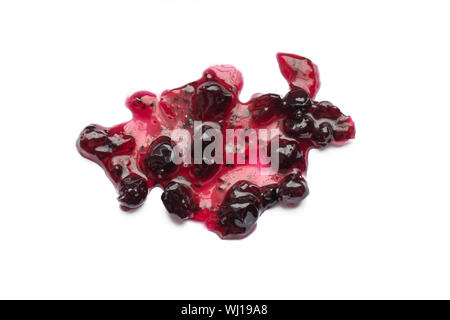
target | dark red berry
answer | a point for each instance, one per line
(344, 130)
(323, 135)
(98, 141)
(159, 159)
(205, 171)
(178, 200)
(293, 189)
(132, 190)
(116, 171)
(241, 208)
(325, 110)
(288, 153)
(297, 101)
(211, 101)
(269, 195)
(208, 165)
(302, 128)
(93, 137)
(265, 107)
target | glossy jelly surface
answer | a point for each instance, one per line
(229, 197)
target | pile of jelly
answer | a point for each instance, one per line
(229, 197)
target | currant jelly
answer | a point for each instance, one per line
(227, 195)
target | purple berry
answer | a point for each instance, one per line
(325, 110)
(99, 142)
(296, 101)
(288, 153)
(269, 195)
(211, 101)
(293, 189)
(323, 135)
(178, 200)
(208, 166)
(132, 190)
(241, 208)
(159, 160)
(302, 128)
(263, 108)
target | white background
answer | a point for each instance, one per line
(376, 224)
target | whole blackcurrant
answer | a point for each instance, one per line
(240, 210)
(269, 195)
(293, 189)
(296, 101)
(211, 101)
(288, 153)
(159, 159)
(132, 190)
(178, 200)
(302, 128)
(205, 166)
(323, 135)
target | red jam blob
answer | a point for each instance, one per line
(230, 196)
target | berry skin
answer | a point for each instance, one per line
(345, 130)
(265, 107)
(323, 135)
(293, 189)
(92, 137)
(178, 200)
(269, 195)
(211, 101)
(99, 142)
(296, 102)
(159, 159)
(240, 210)
(208, 166)
(116, 171)
(132, 190)
(302, 128)
(288, 153)
(204, 170)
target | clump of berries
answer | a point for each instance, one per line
(138, 155)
